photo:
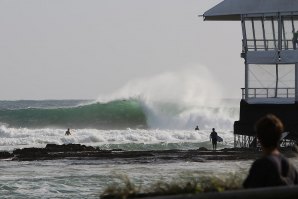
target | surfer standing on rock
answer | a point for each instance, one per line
(213, 138)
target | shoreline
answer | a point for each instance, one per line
(78, 151)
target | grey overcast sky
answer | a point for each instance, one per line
(80, 49)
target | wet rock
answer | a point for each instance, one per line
(5, 155)
(29, 151)
(68, 147)
(78, 151)
(203, 149)
(28, 154)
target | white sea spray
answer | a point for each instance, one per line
(180, 100)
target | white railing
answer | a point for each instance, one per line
(269, 93)
(268, 44)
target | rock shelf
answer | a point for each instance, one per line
(78, 151)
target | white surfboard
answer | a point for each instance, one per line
(283, 135)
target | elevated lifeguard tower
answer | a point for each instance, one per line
(270, 52)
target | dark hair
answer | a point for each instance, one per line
(269, 130)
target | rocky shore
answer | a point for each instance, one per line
(78, 151)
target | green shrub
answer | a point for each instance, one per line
(124, 188)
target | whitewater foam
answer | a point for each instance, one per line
(139, 139)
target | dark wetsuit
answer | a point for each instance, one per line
(213, 137)
(273, 170)
(67, 132)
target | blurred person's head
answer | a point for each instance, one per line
(269, 129)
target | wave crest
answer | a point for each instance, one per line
(117, 114)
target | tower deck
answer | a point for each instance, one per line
(270, 53)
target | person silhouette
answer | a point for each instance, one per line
(67, 132)
(197, 128)
(213, 138)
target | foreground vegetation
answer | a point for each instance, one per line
(124, 187)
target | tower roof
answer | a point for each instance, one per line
(231, 10)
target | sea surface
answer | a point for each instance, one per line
(127, 124)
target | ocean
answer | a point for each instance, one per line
(127, 124)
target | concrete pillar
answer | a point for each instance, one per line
(246, 81)
(296, 82)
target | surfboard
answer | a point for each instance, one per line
(283, 135)
(219, 139)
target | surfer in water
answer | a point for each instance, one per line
(67, 132)
(197, 128)
(213, 138)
